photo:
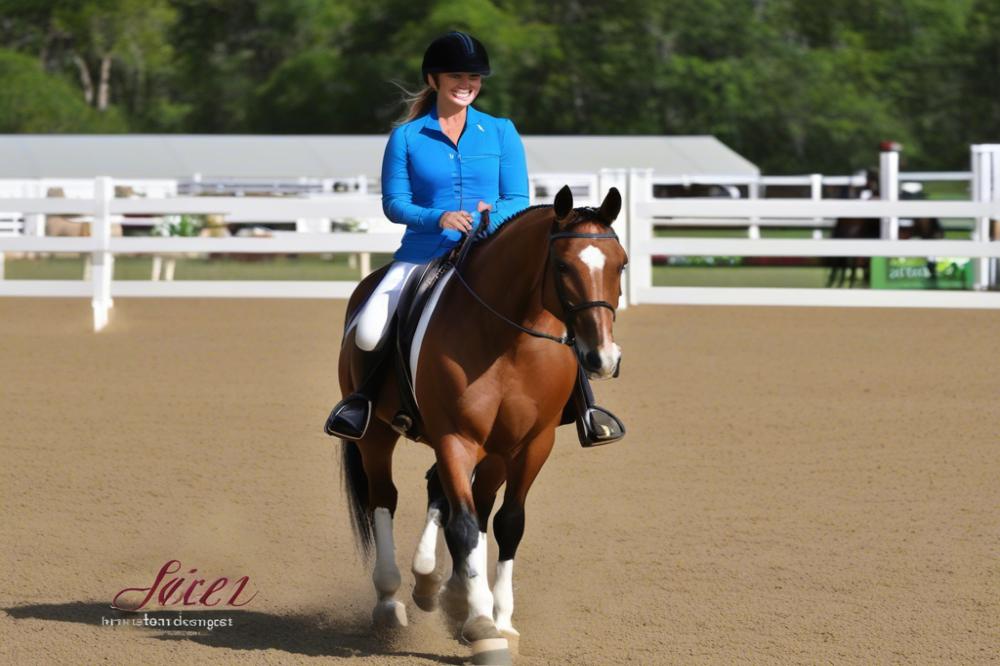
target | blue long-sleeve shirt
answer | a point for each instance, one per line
(425, 175)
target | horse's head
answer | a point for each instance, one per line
(587, 261)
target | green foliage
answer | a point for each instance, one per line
(182, 225)
(795, 85)
(34, 101)
(306, 94)
(980, 72)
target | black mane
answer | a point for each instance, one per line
(486, 236)
(587, 214)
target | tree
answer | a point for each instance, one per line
(38, 102)
(979, 75)
(100, 33)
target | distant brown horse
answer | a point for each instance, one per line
(860, 228)
(496, 366)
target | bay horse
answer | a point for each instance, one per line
(496, 366)
(855, 228)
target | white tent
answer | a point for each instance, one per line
(287, 157)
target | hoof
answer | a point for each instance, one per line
(492, 651)
(478, 629)
(513, 640)
(426, 604)
(389, 615)
(425, 592)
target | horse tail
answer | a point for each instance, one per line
(355, 483)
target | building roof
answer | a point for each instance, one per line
(255, 156)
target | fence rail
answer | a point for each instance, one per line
(741, 247)
(801, 208)
(635, 228)
(645, 213)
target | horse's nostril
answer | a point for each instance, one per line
(592, 360)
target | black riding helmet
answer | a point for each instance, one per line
(456, 52)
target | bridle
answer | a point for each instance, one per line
(569, 311)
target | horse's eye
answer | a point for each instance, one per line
(562, 267)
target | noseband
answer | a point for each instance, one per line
(569, 310)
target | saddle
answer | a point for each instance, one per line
(412, 302)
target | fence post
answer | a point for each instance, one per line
(606, 179)
(640, 233)
(889, 190)
(994, 274)
(816, 194)
(34, 223)
(753, 193)
(102, 261)
(985, 187)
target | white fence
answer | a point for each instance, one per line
(635, 227)
(645, 212)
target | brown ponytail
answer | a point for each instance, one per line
(417, 103)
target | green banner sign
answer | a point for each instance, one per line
(920, 273)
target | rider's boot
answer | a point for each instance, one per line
(595, 425)
(349, 417)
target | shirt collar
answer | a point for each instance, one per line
(472, 117)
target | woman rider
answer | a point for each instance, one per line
(444, 159)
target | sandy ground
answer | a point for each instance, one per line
(797, 486)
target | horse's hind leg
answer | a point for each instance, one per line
(427, 583)
(836, 270)
(376, 453)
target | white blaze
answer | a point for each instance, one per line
(593, 258)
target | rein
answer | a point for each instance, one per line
(569, 339)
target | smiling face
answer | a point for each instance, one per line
(458, 88)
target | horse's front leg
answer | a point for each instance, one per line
(508, 527)
(468, 588)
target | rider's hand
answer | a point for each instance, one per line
(483, 206)
(459, 220)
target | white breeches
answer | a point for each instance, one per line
(381, 305)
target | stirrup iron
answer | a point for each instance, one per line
(598, 434)
(339, 424)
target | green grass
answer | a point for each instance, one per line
(947, 190)
(740, 276)
(738, 232)
(303, 267)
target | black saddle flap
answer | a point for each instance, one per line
(412, 301)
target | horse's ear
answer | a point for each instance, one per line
(612, 205)
(563, 203)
